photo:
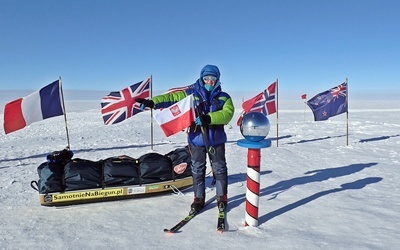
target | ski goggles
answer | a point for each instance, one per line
(209, 78)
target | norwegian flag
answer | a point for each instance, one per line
(120, 105)
(263, 102)
(329, 103)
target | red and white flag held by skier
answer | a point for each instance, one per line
(40, 105)
(120, 105)
(176, 117)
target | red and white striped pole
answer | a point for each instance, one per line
(253, 178)
(253, 186)
(254, 128)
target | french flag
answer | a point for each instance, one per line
(40, 105)
(176, 117)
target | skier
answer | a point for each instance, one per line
(206, 136)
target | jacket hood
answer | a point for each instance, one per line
(210, 70)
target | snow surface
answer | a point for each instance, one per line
(316, 192)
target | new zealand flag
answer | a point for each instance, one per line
(329, 103)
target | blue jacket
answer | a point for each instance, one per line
(218, 105)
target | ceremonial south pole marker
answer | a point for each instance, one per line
(254, 128)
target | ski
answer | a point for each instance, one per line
(221, 221)
(221, 218)
(185, 220)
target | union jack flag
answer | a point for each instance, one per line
(329, 103)
(120, 105)
(263, 103)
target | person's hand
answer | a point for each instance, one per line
(145, 103)
(203, 120)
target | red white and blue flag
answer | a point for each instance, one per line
(329, 103)
(40, 105)
(120, 105)
(263, 103)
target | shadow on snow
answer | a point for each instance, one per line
(359, 184)
(378, 138)
(318, 175)
(317, 139)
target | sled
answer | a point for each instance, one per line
(66, 181)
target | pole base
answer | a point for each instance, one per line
(266, 143)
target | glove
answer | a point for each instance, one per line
(145, 103)
(203, 120)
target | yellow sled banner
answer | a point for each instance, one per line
(95, 194)
(115, 193)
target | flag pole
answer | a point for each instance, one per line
(151, 114)
(277, 101)
(347, 113)
(65, 113)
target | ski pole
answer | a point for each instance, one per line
(210, 150)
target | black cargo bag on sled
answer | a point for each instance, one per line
(121, 171)
(61, 173)
(181, 161)
(51, 173)
(82, 174)
(51, 177)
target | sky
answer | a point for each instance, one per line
(309, 46)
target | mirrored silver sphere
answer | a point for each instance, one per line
(255, 126)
